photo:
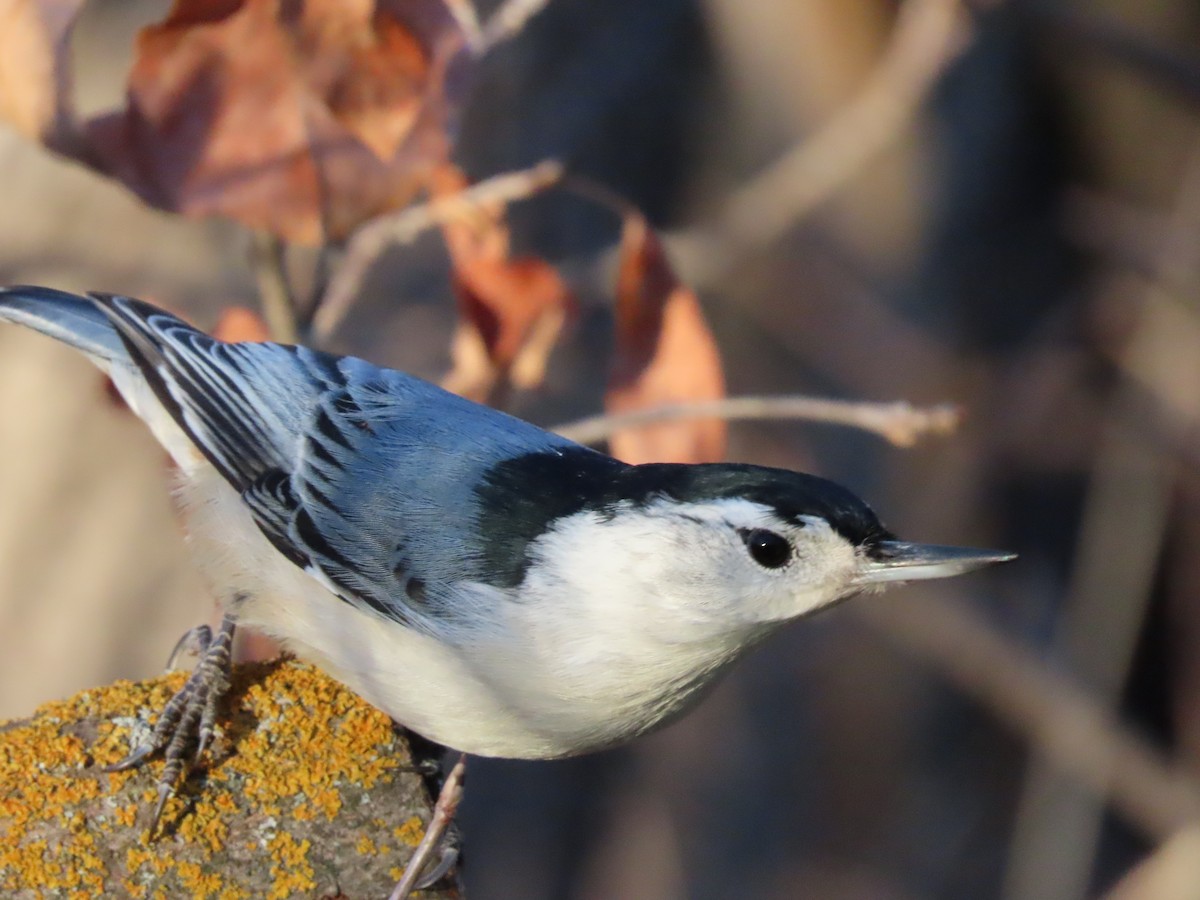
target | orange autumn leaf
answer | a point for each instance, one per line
(34, 73)
(237, 323)
(303, 118)
(511, 309)
(664, 353)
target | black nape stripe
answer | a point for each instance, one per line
(520, 498)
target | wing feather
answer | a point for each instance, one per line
(230, 399)
(364, 477)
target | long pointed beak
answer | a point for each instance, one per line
(902, 561)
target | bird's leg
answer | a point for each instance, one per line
(189, 716)
(438, 851)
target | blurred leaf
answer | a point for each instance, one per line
(240, 324)
(664, 353)
(302, 118)
(511, 309)
(34, 75)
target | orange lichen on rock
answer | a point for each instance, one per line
(291, 872)
(305, 790)
(410, 831)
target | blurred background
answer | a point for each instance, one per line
(995, 204)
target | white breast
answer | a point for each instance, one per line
(495, 683)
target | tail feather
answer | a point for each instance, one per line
(74, 320)
(81, 323)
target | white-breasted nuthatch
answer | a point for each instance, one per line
(489, 585)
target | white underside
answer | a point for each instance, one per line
(570, 666)
(418, 681)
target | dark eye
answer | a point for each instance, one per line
(769, 549)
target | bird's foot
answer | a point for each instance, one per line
(438, 851)
(189, 717)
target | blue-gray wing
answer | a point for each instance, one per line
(363, 476)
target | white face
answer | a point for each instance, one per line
(694, 571)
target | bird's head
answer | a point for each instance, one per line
(697, 551)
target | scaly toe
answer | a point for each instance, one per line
(190, 715)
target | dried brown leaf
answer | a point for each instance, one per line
(302, 118)
(513, 308)
(34, 71)
(664, 353)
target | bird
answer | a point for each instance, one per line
(490, 585)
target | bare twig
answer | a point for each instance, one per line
(404, 226)
(439, 821)
(900, 423)
(928, 35)
(278, 303)
(323, 269)
(467, 19)
(1064, 722)
(508, 21)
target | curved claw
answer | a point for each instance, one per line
(198, 639)
(164, 794)
(201, 746)
(446, 861)
(133, 759)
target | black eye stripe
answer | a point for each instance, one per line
(768, 549)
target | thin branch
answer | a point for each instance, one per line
(509, 20)
(467, 19)
(927, 37)
(900, 423)
(403, 227)
(278, 302)
(1062, 721)
(323, 268)
(443, 814)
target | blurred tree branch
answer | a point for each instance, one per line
(1080, 734)
(274, 291)
(506, 22)
(900, 423)
(404, 226)
(1091, 28)
(927, 37)
(1120, 543)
